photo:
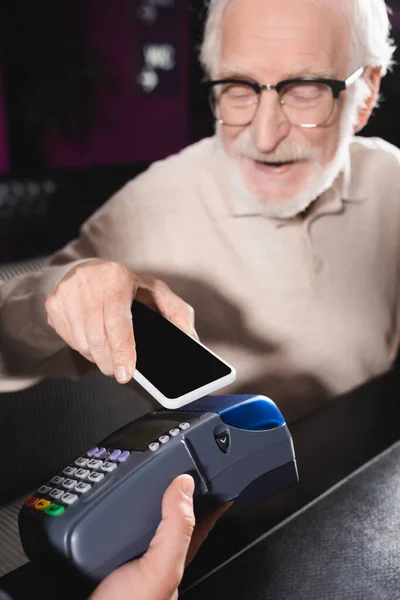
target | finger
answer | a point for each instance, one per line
(119, 330)
(93, 321)
(158, 295)
(168, 549)
(184, 323)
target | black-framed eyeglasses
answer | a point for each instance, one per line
(306, 101)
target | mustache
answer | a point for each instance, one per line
(287, 151)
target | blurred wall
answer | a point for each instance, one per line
(4, 164)
(134, 125)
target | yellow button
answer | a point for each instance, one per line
(42, 504)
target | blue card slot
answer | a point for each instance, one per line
(251, 413)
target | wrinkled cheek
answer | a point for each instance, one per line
(325, 142)
(228, 137)
(329, 153)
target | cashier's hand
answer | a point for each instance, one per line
(158, 573)
(91, 311)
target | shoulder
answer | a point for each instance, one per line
(177, 172)
(375, 171)
(374, 153)
(168, 188)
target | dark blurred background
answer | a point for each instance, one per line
(92, 92)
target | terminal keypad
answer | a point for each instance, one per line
(76, 480)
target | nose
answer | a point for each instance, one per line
(269, 126)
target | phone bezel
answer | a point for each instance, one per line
(195, 394)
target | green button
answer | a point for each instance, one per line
(54, 510)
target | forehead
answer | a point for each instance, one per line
(273, 39)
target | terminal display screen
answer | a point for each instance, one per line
(136, 436)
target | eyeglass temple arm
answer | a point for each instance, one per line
(350, 80)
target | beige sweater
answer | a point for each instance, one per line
(304, 309)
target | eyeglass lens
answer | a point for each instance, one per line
(304, 103)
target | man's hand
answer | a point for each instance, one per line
(158, 573)
(91, 311)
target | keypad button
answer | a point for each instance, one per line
(42, 504)
(83, 487)
(92, 452)
(31, 501)
(70, 471)
(56, 494)
(95, 477)
(94, 463)
(115, 454)
(81, 462)
(154, 447)
(82, 474)
(164, 439)
(174, 432)
(44, 490)
(184, 426)
(100, 452)
(108, 467)
(54, 510)
(57, 480)
(69, 484)
(69, 498)
(124, 456)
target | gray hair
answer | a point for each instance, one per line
(369, 27)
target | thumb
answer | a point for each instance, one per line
(167, 552)
(157, 575)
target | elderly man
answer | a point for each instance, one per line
(282, 231)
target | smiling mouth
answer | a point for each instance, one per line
(276, 164)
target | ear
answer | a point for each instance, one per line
(372, 76)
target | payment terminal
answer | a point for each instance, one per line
(104, 508)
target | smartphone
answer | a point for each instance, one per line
(172, 366)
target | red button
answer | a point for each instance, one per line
(31, 501)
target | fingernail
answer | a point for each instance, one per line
(188, 486)
(121, 374)
(195, 334)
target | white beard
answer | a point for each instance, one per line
(320, 180)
